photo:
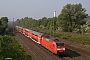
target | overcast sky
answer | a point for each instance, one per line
(36, 8)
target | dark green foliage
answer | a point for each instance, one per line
(10, 48)
(72, 17)
(3, 25)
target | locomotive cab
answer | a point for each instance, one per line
(60, 47)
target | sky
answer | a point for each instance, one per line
(36, 9)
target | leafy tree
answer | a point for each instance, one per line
(72, 17)
(3, 24)
(86, 27)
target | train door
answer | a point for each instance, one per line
(54, 48)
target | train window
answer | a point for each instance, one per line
(60, 44)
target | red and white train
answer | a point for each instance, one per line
(52, 44)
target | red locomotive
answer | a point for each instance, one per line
(52, 44)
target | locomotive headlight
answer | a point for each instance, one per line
(63, 48)
(58, 49)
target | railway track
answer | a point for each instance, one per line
(77, 51)
(83, 51)
(37, 51)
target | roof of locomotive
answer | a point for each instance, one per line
(56, 40)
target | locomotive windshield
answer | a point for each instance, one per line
(60, 44)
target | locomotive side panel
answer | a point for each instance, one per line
(48, 45)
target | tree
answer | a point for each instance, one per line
(72, 17)
(3, 24)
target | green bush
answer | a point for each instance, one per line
(10, 48)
